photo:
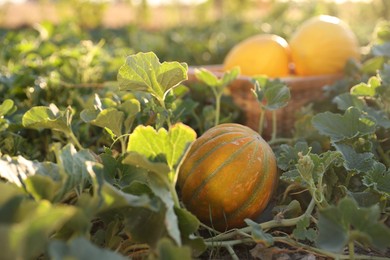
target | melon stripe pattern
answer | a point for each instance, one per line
(228, 175)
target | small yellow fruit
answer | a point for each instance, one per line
(263, 54)
(323, 45)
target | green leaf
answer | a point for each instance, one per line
(382, 50)
(74, 164)
(144, 225)
(166, 249)
(131, 108)
(384, 75)
(17, 169)
(188, 225)
(302, 230)
(109, 118)
(6, 107)
(258, 234)
(28, 238)
(158, 187)
(118, 120)
(80, 249)
(207, 77)
(292, 210)
(42, 187)
(144, 72)
(272, 93)
(340, 127)
(354, 161)
(378, 178)
(347, 222)
(346, 100)
(47, 117)
(372, 65)
(162, 145)
(216, 84)
(159, 184)
(366, 90)
(287, 156)
(139, 160)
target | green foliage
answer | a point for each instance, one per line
(217, 86)
(346, 223)
(91, 144)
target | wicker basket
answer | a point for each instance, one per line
(303, 91)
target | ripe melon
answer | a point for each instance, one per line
(262, 54)
(229, 174)
(323, 45)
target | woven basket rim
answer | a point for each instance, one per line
(217, 70)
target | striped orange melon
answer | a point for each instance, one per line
(229, 174)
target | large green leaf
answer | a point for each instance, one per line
(117, 119)
(74, 168)
(339, 127)
(51, 117)
(354, 161)
(80, 249)
(347, 222)
(162, 145)
(109, 118)
(144, 72)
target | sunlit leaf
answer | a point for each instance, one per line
(40, 117)
(17, 169)
(109, 118)
(162, 145)
(6, 107)
(367, 90)
(144, 72)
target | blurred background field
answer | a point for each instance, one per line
(196, 32)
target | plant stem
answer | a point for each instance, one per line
(162, 103)
(261, 121)
(308, 248)
(351, 250)
(232, 253)
(274, 123)
(383, 155)
(75, 141)
(217, 108)
(266, 225)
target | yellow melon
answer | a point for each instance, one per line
(323, 45)
(263, 54)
